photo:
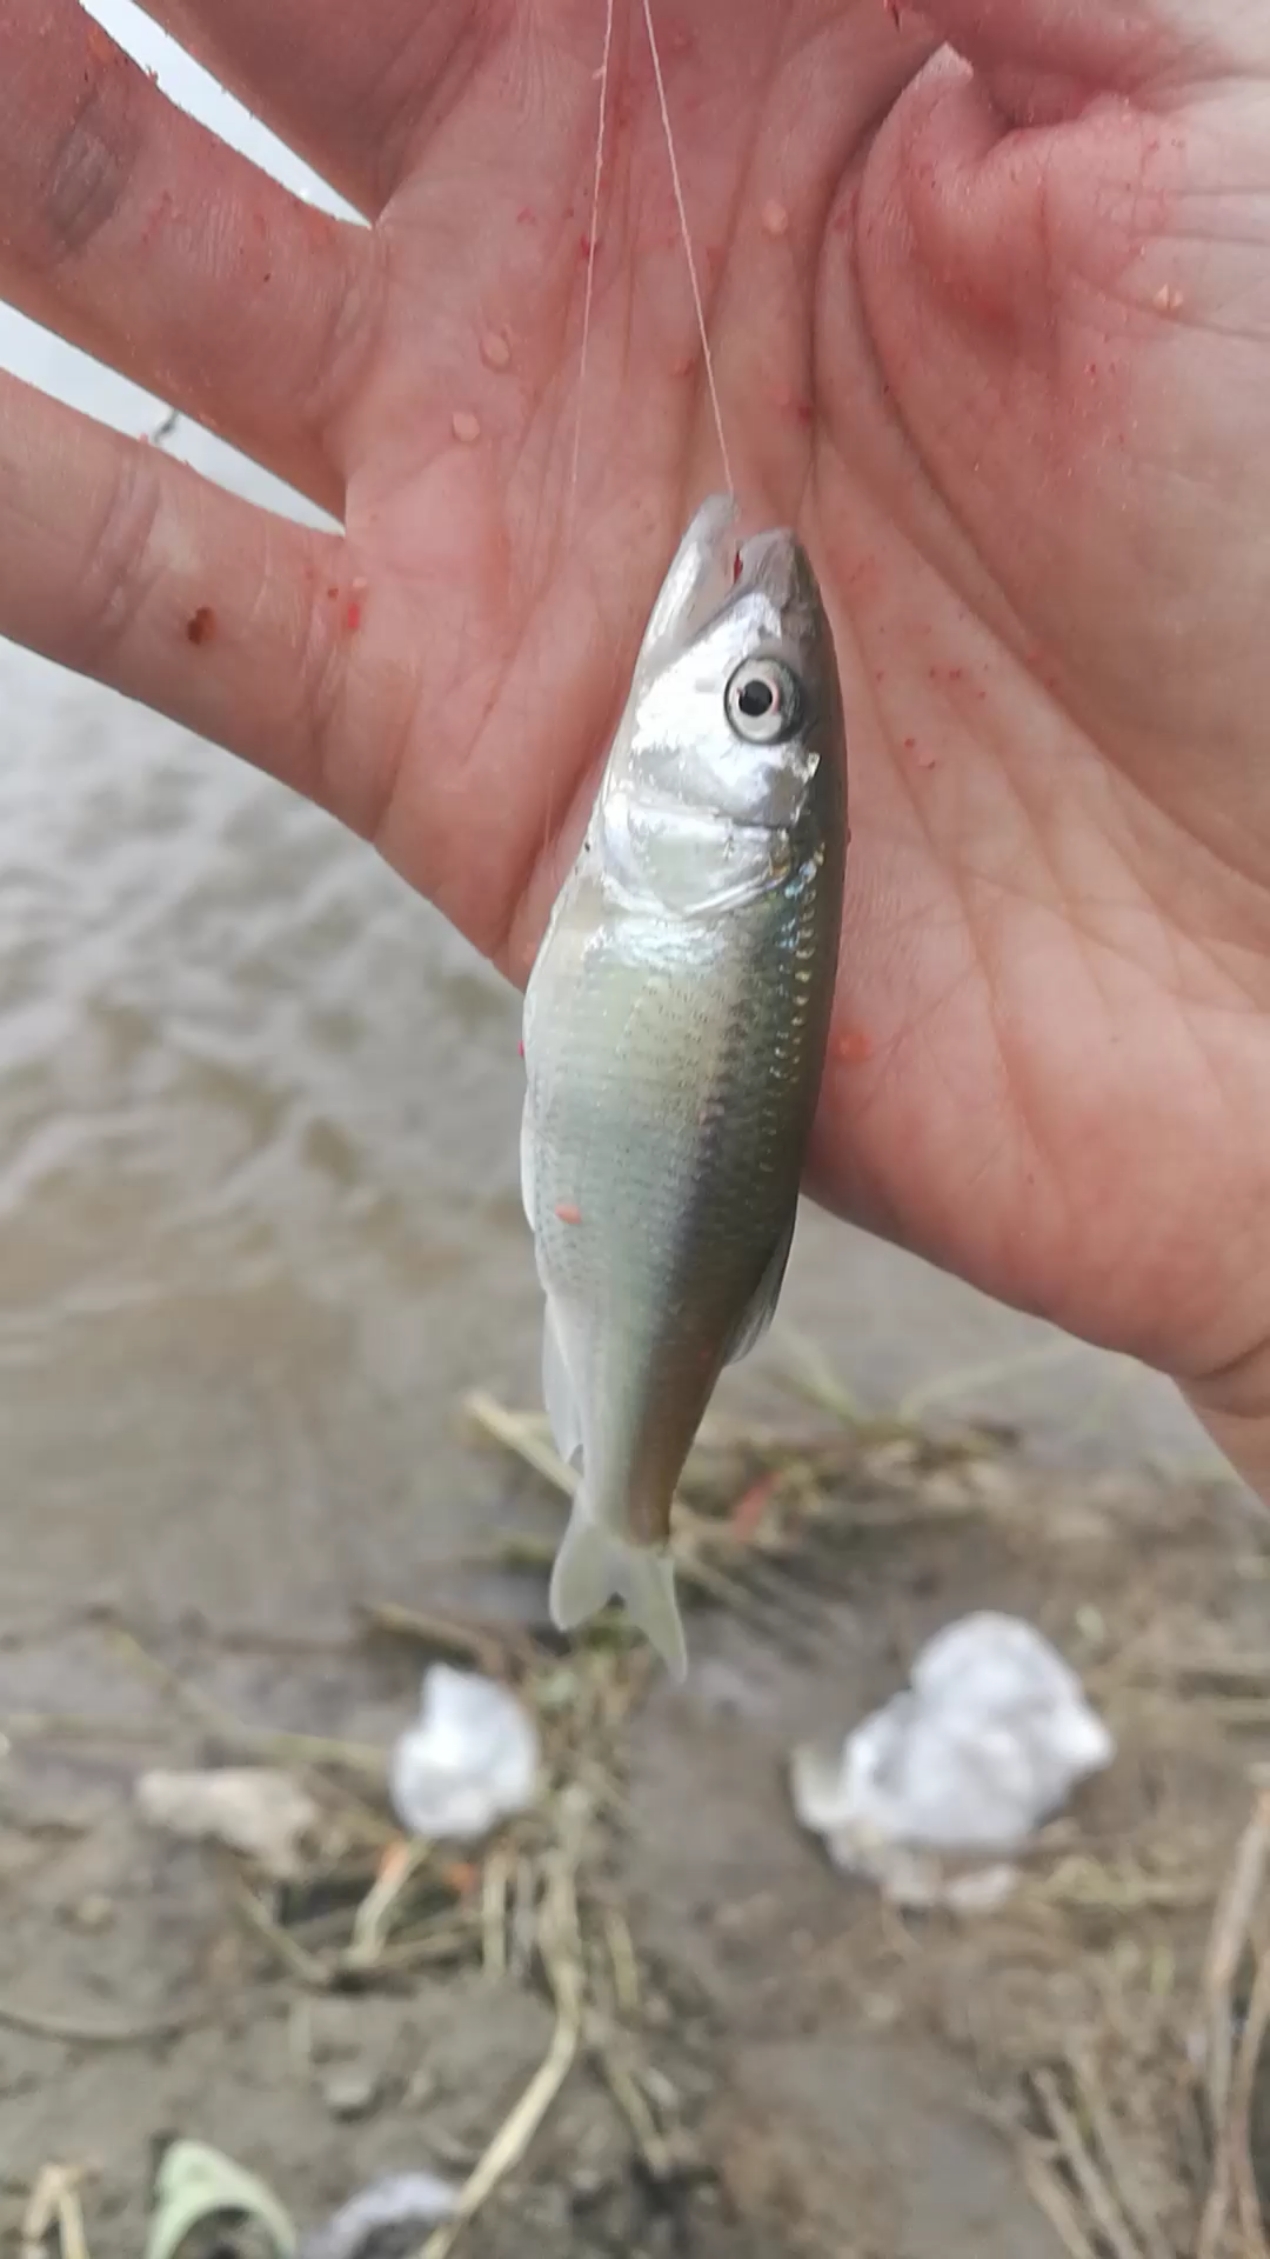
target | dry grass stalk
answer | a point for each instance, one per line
(560, 1945)
(495, 1895)
(1135, 2205)
(74, 2031)
(1243, 2174)
(1227, 2080)
(1050, 2197)
(373, 1918)
(1099, 2198)
(54, 2203)
(280, 1748)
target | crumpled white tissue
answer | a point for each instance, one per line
(470, 1759)
(987, 1742)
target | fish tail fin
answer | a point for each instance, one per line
(593, 1567)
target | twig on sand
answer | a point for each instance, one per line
(1084, 2169)
(1227, 2080)
(521, 1435)
(1227, 1941)
(491, 1647)
(560, 1946)
(287, 1949)
(808, 1372)
(74, 2031)
(621, 1945)
(373, 1918)
(972, 1380)
(1134, 2202)
(78, 1725)
(279, 1747)
(658, 2154)
(54, 2202)
(1243, 2172)
(495, 1890)
(1050, 2197)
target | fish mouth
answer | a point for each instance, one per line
(715, 568)
(771, 563)
(774, 564)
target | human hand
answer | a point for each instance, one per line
(995, 334)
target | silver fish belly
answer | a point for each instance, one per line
(675, 1028)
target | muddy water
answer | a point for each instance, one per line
(259, 1225)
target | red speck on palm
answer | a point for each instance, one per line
(852, 1047)
(353, 616)
(201, 625)
(101, 46)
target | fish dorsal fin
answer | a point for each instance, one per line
(762, 1305)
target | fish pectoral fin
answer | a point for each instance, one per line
(558, 1391)
(762, 1306)
(593, 1567)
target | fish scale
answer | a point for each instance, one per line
(675, 1030)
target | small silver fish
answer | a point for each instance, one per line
(675, 1028)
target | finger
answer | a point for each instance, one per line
(142, 238)
(349, 89)
(124, 565)
(1085, 46)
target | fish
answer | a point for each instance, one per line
(675, 1027)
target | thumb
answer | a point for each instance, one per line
(1048, 49)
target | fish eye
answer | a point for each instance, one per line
(762, 701)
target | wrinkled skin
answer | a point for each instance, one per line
(1008, 371)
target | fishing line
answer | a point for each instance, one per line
(687, 242)
(590, 250)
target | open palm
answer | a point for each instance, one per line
(994, 332)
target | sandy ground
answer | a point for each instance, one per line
(831, 2076)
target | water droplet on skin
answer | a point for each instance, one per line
(466, 427)
(775, 218)
(495, 350)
